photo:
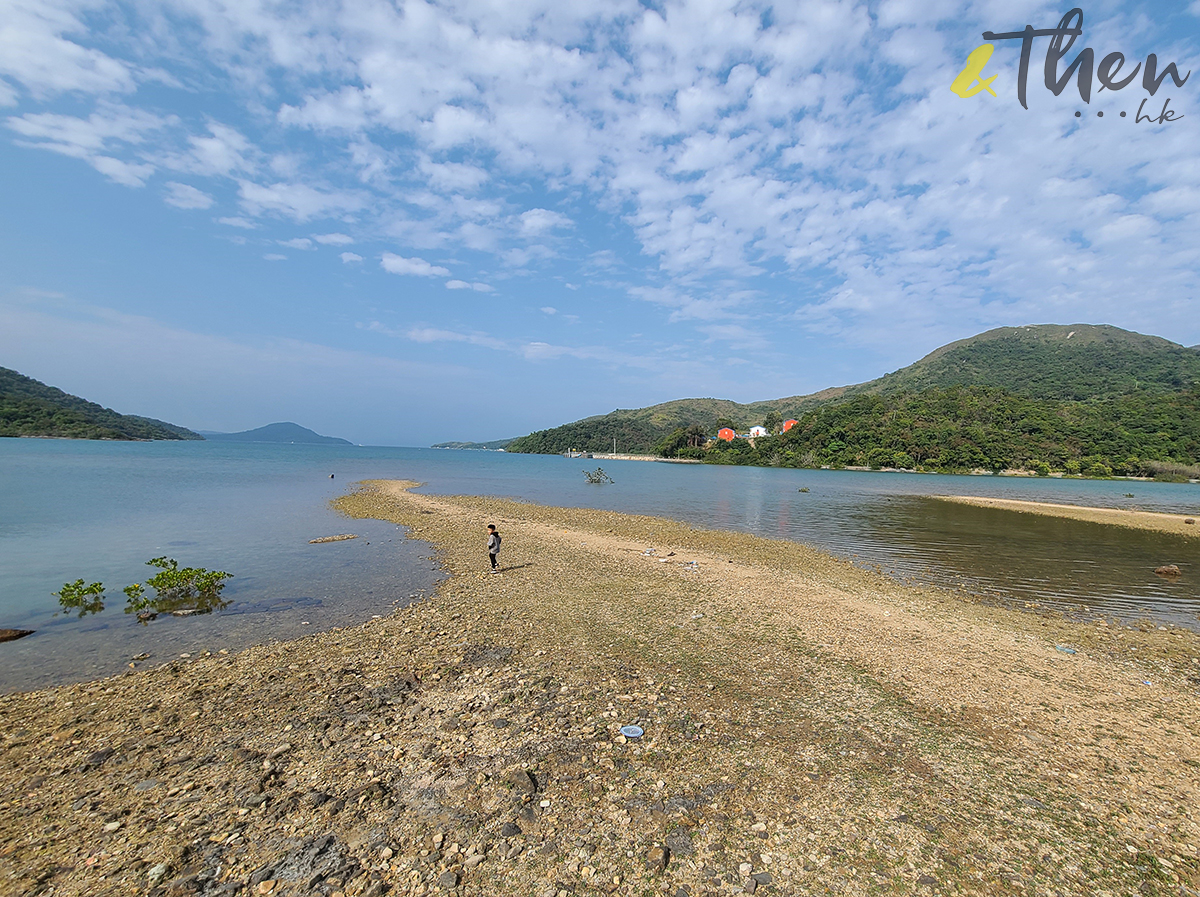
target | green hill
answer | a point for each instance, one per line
(1068, 362)
(284, 432)
(1064, 384)
(493, 446)
(29, 407)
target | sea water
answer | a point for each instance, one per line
(72, 509)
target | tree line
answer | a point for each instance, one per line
(967, 428)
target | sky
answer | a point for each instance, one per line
(403, 222)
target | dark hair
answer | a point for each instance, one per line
(491, 526)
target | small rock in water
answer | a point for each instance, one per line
(11, 635)
(1168, 570)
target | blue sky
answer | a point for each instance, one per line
(404, 222)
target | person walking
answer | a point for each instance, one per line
(493, 546)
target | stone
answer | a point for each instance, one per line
(749, 886)
(111, 826)
(266, 886)
(657, 858)
(510, 830)
(926, 880)
(763, 878)
(745, 869)
(448, 880)
(11, 635)
(1168, 570)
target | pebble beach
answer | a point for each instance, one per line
(809, 727)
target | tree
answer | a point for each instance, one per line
(773, 422)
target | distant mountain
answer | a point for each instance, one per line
(1050, 362)
(286, 432)
(494, 445)
(29, 407)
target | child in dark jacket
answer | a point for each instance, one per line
(493, 546)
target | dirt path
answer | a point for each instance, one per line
(1179, 524)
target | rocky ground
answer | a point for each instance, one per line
(809, 728)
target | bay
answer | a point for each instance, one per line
(98, 510)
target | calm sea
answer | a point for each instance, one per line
(98, 511)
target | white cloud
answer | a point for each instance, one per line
(298, 243)
(536, 222)
(463, 285)
(111, 129)
(333, 239)
(816, 154)
(238, 221)
(299, 202)
(35, 51)
(417, 267)
(437, 335)
(274, 257)
(349, 258)
(549, 309)
(185, 196)
(8, 96)
(223, 151)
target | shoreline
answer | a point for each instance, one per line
(809, 727)
(1176, 524)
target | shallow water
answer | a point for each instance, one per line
(98, 510)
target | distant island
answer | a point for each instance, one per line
(1078, 399)
(29, 407)
(285, 432)
(496, 445)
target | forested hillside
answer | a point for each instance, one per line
(1072, 398)
(964, 428)
(29, 407)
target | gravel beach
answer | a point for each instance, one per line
(1179, 524)
(808, 728)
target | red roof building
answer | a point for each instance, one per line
(727, 434)
(788, 424)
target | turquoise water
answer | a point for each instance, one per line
(99, 510)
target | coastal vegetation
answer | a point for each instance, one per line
(29, 407)
(1080, 399)
(179, 591)
(966, 428)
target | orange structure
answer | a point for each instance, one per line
(788, 424)
(727, 434)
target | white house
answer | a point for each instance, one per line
(759, 431)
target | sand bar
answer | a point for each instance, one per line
(1148, 520)
(818, 726)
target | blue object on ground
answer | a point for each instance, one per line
(632, 731)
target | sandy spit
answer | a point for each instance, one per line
(1164, 523)
(810, 728)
